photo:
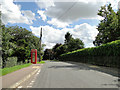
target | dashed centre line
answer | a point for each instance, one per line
(20, 87)
(35, 76)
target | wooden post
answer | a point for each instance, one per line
(40, 43)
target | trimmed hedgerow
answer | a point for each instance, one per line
(106, 55)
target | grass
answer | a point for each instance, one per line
(41, 62)
(14, 68)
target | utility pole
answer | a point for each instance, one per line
(40, 43)
(1, 37)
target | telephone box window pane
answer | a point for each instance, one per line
(33, 57)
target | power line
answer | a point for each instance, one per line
(67, 10)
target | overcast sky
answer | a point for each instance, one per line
(56, 17)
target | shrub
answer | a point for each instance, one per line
(106, 54)
(11, 61)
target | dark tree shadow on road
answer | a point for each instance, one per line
(108, 70)
(75, 67)
(81, 66)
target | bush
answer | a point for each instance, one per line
(106, 55)
(11, 61)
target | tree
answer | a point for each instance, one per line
(60, 50)
(54, 49)
(74, 44)
(48, 54)
(118, 28)
(107, 27)
(7, 46)
(70, 44)
(68, 37)
(18, 42)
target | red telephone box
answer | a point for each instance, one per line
(34, 56)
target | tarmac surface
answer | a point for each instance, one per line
(61, 75)
(67, 75)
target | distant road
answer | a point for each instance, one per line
(66, 75)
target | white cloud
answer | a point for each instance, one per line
(73, 11)
(114, 3)
(86, 33)
(29, 15)
(57, 23)
(52, 36)
(11, 13)
(41, 13)
(119, 5)
(44, 3)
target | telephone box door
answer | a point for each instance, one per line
(34, 56)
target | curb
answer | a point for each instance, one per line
(24, 79)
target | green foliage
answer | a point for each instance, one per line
(106, 54)
(11, 61)
(48, 54)
(41, 62)
(68, 37)
(60, 50)
(109, 27)
(70, 44)
(74, 44)
(18, 42)
(55, 50)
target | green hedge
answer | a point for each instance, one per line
(106, 54)
(11, 61)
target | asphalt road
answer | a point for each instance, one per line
(66, 75)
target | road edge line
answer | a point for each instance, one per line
(24, 79)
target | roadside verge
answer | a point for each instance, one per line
(12, 80)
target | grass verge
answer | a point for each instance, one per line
(41, 62)
(14, 68)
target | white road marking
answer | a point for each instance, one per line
(35, 76)
(32, 81)
(20, 87)
(24, 79)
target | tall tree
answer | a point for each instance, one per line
(68, 37)
(70, 44)
(48, 54)
(75, 44)
(60, 50)
(118, 28)
(107, 27)
(54, 49)
(7, 46)
(18, 42)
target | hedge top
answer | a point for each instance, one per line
(109, 49)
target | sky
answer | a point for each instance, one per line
(56, 18)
